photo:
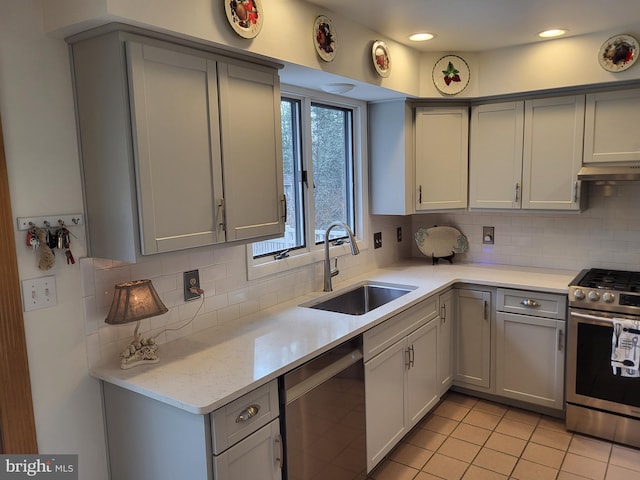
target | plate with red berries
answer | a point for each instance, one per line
(451, 74)
(244, 16)
(618, 53)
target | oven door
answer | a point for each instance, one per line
(591, 381)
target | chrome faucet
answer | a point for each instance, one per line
(332, 272)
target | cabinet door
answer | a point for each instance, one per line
(530, 359)
(445, 337)
(251, 152)
(610, 127)
(553, 138)
(441, 169)
(473, 338)
(495, 162)
(176, 147)
(384, 400)
(257, 457)
(422, 382)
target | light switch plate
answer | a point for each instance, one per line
(39, 293)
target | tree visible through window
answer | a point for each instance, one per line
(326, 186)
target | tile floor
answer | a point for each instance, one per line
(472, 439)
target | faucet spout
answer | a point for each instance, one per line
(328, 271)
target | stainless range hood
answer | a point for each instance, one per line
(609, 173)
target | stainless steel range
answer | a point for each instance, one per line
(603, 378)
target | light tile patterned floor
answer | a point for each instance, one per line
(466, 438)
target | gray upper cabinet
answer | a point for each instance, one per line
(180, 147)
(610, 129)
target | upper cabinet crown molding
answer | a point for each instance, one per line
(180, 147)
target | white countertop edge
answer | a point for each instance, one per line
(192, 374)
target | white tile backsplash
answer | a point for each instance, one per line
(605, 235)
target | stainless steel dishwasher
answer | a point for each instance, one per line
(324, 416)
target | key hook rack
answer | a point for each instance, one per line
(49, 221)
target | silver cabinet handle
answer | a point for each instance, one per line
(560, 340)
(517, 192)
(279, 451)
(420, 195)
(527, 302)
(575, 193)
(443, 312)
(247, 414)
(221, 214)
(484, 313)
(410, 357)
(284, 208)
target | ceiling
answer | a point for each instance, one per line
(478, 25)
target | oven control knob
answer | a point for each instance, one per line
(594, 296)
(608, 297)
(578, 294)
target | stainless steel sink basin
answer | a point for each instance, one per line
(361, 298)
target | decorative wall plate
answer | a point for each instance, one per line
(618, 53)
(451, 74)
(324, 38)
(244, 16)
(441, 242)
(381, 59)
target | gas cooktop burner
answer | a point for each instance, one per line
(617, 280)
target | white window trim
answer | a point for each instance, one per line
(266, 266)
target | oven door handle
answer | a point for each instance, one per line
(591, 317)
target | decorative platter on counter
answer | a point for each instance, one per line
(381, 59)
(618, 53)
(324, 38)
(441, 242)
(244, 16)
(451, 74)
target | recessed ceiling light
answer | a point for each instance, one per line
(421, 37)
(553, 32)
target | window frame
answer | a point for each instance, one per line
(312, 253)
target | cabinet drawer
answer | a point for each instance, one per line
(243, 416)
(386, 334)
(536, 304)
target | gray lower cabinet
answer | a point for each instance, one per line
(401, 383)
(472, 365)
(180, 147)
(150, 439)
(530, 347)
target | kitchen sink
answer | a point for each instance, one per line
(361, 298)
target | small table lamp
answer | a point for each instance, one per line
(132, 302)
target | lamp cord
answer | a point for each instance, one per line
(201, 293)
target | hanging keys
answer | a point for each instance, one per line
(70, 259)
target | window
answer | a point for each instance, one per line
(321, 151)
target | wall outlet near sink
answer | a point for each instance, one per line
(488, 235)
(377, 240)
(191, 279)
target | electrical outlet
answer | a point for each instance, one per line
(191, 280)
(39, 293)
(377, 240)
(488, 235)
(399, 234)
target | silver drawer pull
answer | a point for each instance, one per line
(529, 303)
(250, 412)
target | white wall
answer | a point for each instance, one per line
(36, 105)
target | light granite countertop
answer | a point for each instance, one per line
(204, 371)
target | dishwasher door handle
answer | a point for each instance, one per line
(296, 391)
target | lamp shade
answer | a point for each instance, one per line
(133, 301)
